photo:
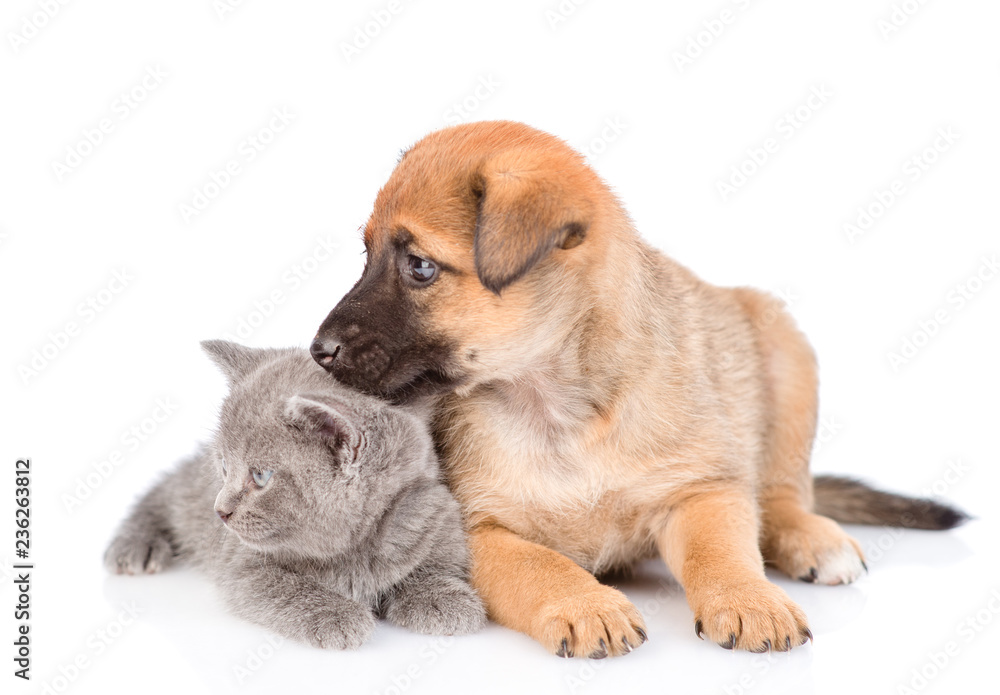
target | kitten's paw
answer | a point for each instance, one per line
(446, 606)
(129, 555)
(340, 627)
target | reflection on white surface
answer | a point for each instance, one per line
(229, 655)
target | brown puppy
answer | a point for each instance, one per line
(596, 403)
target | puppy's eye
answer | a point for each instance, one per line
(261, 477)
(420, 269)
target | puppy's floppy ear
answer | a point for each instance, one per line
(527, 207)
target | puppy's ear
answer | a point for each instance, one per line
(527, 208)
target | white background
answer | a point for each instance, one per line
(929, 425)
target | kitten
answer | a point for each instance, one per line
(314, 509)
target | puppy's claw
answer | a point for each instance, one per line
(601, 652)
(807, 636)
(642, 635)
(564, 651)
(628, 647)
(811, 577)
(731, 644)
(698, 629)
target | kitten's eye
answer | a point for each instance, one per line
(261, 477)
(225, 469)
(420, 269)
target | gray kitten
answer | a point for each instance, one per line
(314, 509)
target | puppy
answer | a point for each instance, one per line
(595, 402)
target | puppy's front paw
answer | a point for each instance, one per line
(595, 624)
(756, 616)
(342, 627)
(441, 607)
(130, 555)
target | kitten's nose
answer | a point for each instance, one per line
(223, 515)
(324, 352)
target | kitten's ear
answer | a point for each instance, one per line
(332, 422)
(236, 361)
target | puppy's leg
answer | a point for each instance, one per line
(710, 544)
(537, 591)
(796, 541)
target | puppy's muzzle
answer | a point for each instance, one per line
(362, 364)
(324, 352)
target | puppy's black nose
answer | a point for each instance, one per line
(324, 353)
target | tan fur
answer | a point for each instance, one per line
(613, 406)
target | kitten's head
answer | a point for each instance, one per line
(306, 465)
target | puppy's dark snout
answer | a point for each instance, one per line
(324, 352)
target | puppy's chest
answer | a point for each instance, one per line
(531, 447)
(530, 465)
(575, 504)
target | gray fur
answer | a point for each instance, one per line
(353, 524)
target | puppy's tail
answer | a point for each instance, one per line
(850, 501)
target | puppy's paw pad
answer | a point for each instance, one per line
(816, 549)
(840, 566)
(597, 624)
(757, 617)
